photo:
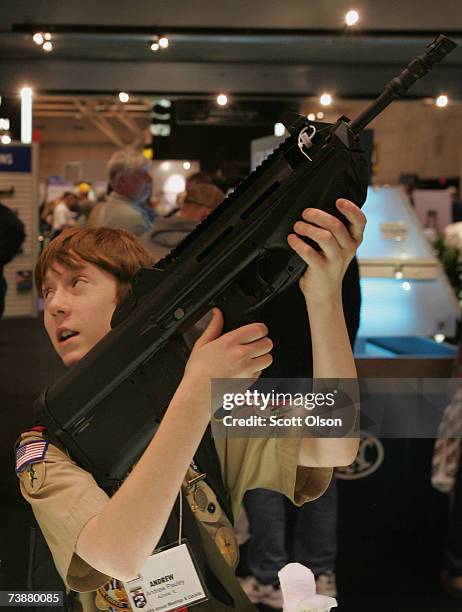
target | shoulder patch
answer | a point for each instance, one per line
(30, 452)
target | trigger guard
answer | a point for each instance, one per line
(293, 267)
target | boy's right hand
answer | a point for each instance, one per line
(241, 353)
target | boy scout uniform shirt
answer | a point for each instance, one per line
(64, 497)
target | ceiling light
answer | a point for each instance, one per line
(155, 46)
(47, 36)
(26, 92)
(47, 46)
(325, 99)
(352, 18)
(320, 115)
(124, 97)
(279, 129)
(186, 165)
(5, 139)
(406, 286)
(311, 117)
(38, 38)
(439, 338)
(442, 101)
(163, 42)
(222, 99)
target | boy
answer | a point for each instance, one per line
(93, 538)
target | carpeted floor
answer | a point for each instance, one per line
(390, 568)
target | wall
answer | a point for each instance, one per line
(412, 137)
(68, 139)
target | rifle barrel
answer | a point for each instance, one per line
(397, 87)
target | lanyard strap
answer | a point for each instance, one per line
(180, 528)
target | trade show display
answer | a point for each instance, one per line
(18, 191)
(408, 305)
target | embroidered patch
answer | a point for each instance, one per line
(31, 452)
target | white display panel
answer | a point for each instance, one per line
(401, 306)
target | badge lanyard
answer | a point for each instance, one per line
(180, 526)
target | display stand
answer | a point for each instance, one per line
(407, 300)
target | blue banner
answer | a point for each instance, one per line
(15, 159)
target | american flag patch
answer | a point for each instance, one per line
(31, 452)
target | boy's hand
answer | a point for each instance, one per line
(323, 278)
(241, 353)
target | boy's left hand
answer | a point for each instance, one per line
(326, 268)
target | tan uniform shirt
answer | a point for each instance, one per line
(64, 497)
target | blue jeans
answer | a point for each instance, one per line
(315, 533)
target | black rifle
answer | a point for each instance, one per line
(237, 259)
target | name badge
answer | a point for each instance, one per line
(169, 580)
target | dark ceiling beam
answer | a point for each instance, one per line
(189, 34)
(105, 77)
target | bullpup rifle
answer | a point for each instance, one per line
(107, 407)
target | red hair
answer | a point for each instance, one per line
(114, 250)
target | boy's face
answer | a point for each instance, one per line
(78, 308)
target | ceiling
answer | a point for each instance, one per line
(260, 49)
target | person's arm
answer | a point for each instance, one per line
(139, 510)
(322, 288)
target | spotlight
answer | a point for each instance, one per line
(26, 92)
(47, 46)
(124, 97)
(311, 117)
(222, 99)
(186, 165)
(352, 18)
(325, 99)
(320, 115)
(439, 338)
(47, 36)
(38, 38)
(442, 101)
(398, 273)
(5, 139)
(406, 286)
(279, 129)
(163, 42)
(155, 46)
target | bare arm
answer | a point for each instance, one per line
(139, 510)
(322, 288)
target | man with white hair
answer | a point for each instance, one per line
(130, 184)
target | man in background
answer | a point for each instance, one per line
(64, 211)
(197, 203)
(130, 184)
